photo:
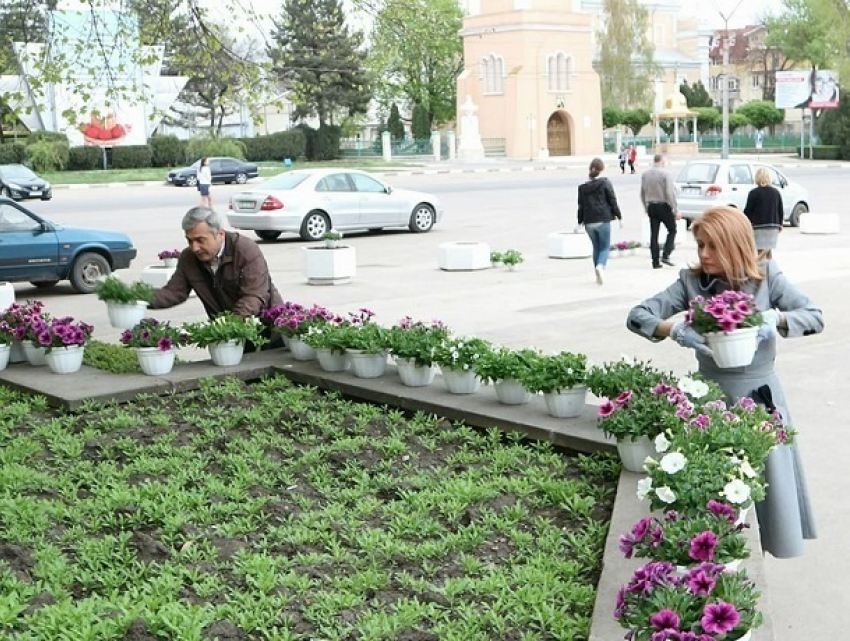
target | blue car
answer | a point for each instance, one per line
(36, 250)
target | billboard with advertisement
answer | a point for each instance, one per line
(816, 89)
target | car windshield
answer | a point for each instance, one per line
(17, 171)
(286, 180)
(698, 173)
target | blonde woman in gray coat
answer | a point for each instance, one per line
(728, 260)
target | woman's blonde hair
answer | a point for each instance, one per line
(762, 177)
(730, 233)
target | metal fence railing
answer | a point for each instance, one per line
(711, 142)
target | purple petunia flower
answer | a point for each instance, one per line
(700, 583)
(703, 546)
(665, 619)
(723, 510)
(624, 398)
(720, 618)
(606, 409)
(164, 344)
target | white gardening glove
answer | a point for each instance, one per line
(687, 336)
(621, 223)
(770, 319)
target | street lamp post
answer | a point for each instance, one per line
(724, 151)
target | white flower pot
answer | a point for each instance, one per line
(634, 453)
(367, 365)
(511, 392)
(733, 349)
(567, 403)
(7, 295)
(329, 266)
(169, 262)
(5, 350)
(35, 355)
(301, 351)
(65, 360)
(227, 354)
(126, 315)
(331, 360)
(414, 375)
(17, 354)
(461, 381)
(155, 362)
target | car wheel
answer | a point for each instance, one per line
(241, 178)
(799, 210)
(422, 218)
(87, 271)
(192, 181)
(315, 225)
(267, 234)
(43, 284)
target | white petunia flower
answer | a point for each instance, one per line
(673, 462)
(736, 491)
(665, 494)
(644, 486)
(661, 444)
(747, 470)
(692, 387)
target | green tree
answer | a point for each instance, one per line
(833, 127)
(626, 56)
(394, 124)
(611, 117)
(696, 96)
(809, 32)
(320, 61)
(737, 120)
(636, 119)
(708, 118)
(420, 126)
(417, 51)
(761, 114)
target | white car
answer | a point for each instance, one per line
(706, 183)
(310, 202)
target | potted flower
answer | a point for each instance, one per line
(634, 245)
(328, 339)
(19, 319)
(506, 369)
(495, 258)
(729, 321)
(622, 247)
(687, 481)
(225, 336)
(458, 358)
(413, 344)
(154, 343)
(169, 257)
(610, 379)
(366, 345)
(511, 258)
(126, 304)
(706, 604)
(332, 238)
(293, 321)
(64, 341)
(712, 535)
(562, 378)
(6, 339)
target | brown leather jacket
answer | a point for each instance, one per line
(241, 284)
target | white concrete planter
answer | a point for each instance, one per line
(157, 275)
(815, 224)
(464, 256)
(327, 266)
(7, 295)
(564, 244)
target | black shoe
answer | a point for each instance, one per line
(669, 262)
(657, 266)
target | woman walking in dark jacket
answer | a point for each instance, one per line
(766, 213)
(597, 206)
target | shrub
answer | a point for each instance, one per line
(823, 152)
(131, 157)
(47, 136)
(309, 140)
(85, 158)
(48, 156)
(167, 151)
(327, 143)
(212, 146)
(277, 146)
(12, 153)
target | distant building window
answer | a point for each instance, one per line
(559, 68)
(756, 80)
(492, 74)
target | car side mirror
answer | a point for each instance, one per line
(388, 190)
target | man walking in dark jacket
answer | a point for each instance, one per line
(658, 195)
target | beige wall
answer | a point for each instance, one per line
(523, 103)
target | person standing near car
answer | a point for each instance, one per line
(597, 207)
(765, 211)
(205, 182)
(658, 195)
(226, 270)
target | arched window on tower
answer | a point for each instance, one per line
(492, 74)
(559, 68)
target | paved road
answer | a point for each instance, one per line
(554, 304)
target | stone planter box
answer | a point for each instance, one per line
(326, 266)
(819, 223)
(565, 244)
(464, 256)
(157, 275)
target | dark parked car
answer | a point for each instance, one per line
(223, 170)
(36, 250)
(19, 182)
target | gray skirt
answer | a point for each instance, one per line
(766, 238)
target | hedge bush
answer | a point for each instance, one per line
(822, 152)
(47, 155)
(327, 143)
(131, 157)
(167, 151)
(13, 153)
(85, 158)
(211, 146)
(277, 146)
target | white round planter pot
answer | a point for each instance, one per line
(332, 360)
(35, 355)
(567, 403)
(461, 381)
(65, 360)
(367, 365)
(126, 315)
(733, 349)
(301, 351)
(155, 362)
(634, 453)
(413, 375)
(511, 392)
(5, 350)
(227, 354)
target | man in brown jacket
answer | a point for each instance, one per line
(226, 270)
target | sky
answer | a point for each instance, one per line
(747, 12)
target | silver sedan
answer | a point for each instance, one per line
(311, 202)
